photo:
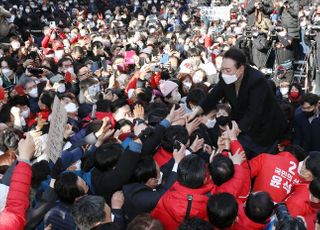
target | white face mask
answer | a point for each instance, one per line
(211, 123)
(93, 90)
(59, 54)
(70, 70)
(71, 107)
(176, 98)
(197, 79)
(229, 79)
(7, 72)
(187, 85)
(25, 113)
(15, 45)
(61, 88)
(284, 90)
(34, 92)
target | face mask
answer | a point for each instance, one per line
(186, 47)
(34, 92)
(294, 94)
(70, 70)
(59, 54)
(89, 16)
(44, 8)
(197, 79)
(61, 88)
(15, 45)
(27, 11)
(309, 114)
(284, 90)
(223, 121)
(71, 107)
(93, 90)
(211, 123)
(187, 85)
(25, 113)
(176, 98)
(229, 79)
(7, 72)
(149, 2)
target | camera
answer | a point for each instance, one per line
(248, 32)
(312, 31)
(177, 145)
(274, 32)
(35, 71)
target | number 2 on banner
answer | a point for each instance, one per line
(293, 167)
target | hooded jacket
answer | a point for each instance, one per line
(172, 207)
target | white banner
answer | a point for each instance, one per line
(216, 12)
(59, 118)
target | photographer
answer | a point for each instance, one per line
(260, 47)
(289, 10)
(259, 12)
(286, 221)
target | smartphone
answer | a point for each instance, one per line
(164, 59)
(52, 24)
(177, 145)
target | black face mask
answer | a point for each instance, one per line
(309, 114)
(223, 120)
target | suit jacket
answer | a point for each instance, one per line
(255, 109)
(140, 198)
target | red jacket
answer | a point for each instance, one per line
(172, 207)
(275, 174)
(14, 214)
(239, 186)
(298, 202)
(162, 157)
(244, 222)
(154, 81)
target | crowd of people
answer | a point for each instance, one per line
(172, 119)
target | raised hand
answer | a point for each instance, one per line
(175, 114)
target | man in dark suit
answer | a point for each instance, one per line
(254, 106)
(307, 124)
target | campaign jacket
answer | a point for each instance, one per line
(275, 174)
(162, 157)
(172, 207)
(244, 222)
(240, 184)
(298, 202)
(14, 214)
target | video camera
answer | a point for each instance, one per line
(312, 31)
(275, 31)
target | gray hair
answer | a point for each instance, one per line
(88, 211)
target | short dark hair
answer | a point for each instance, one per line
(314, 188)
(144, 222)
(259, 207)
(191, 171)
(47, 98)
(310, 98)
(5, 113)
(221, 169)
(176, 132)
(107, 156)
(88, 211)
(195, 224)
(313, 162)
(66, 187)
(40, 172)
(145, 169)
(299, 153)
(237, 55)
(62, 60)
(20, 100)
(222, 210)
(195, 96)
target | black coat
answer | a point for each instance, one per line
(140, 198)
(106, 183)
(255, 109)
(260, 47)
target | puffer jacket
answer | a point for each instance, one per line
(172, 207)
